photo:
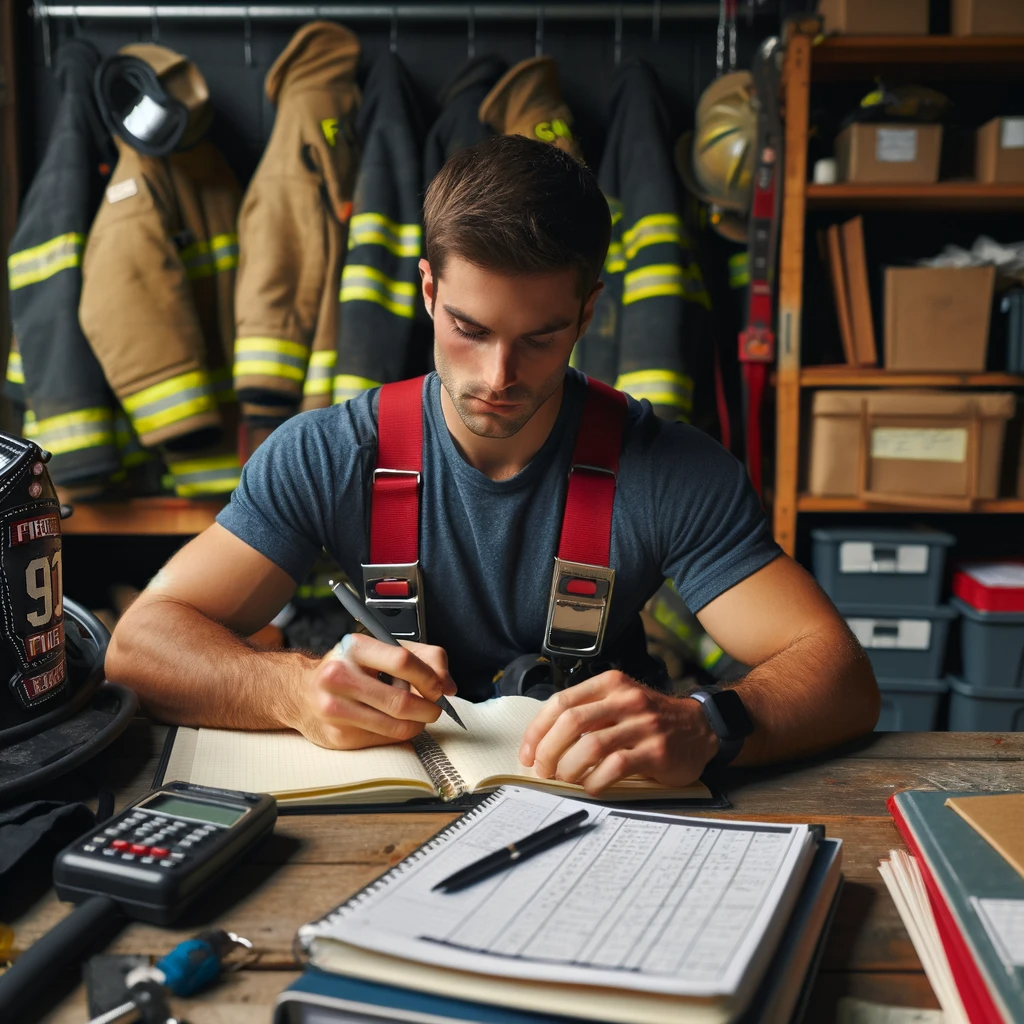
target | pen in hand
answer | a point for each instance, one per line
(551, 835)
(355, 607)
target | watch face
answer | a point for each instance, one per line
(729, 705)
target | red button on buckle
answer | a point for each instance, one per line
(585, 588)
(159, 851)
(119, 844)
(138, 848)
(392, 588)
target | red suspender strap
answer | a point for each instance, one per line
(587, 520)
(395, 501)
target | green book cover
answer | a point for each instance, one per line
(982, 891)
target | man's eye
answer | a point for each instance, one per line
(541, 343)
(463, 333)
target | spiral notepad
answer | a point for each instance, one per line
(442, 762)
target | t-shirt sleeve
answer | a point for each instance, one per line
(710, 522)
(277, 508)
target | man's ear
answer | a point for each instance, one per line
(427, 287)
(587, 312)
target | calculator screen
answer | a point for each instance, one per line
(181, 808)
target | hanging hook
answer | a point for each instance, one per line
(393, 44)
(618, 34)
(154, 25)
(471, 33)
(247, 39)
(538, 44)
(656, 21)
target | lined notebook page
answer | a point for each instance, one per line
(285, 762)
(487, 752)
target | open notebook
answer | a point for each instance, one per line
(444, 761)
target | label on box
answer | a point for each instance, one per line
(920, 444)
(998, 574)
(896, 145)
(1011, 133)
(864, 557)
(900, 634)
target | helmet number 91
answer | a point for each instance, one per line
(44, 581)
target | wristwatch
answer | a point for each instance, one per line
(728, 718)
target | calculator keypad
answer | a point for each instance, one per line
(150, 839)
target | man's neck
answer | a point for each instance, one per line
(501, 458)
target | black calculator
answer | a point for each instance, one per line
(156, 856)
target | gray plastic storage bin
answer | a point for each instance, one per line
(910, 705)
(902, 642)
(872, 566)
(985, 708)
(993, 644)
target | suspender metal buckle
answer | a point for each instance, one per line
(395, 593)
(578, 608)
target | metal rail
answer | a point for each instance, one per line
(463, 12)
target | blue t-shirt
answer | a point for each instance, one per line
(684, 510)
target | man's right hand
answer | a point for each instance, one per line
(342, 703)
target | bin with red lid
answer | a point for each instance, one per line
(990, 599)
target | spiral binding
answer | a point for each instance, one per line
(310, 931)
(450, 784)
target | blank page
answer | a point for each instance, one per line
(285, 762)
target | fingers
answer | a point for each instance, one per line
(571, 724)
(437, 659)
(429, 677)
(343, 682)
(336, 715)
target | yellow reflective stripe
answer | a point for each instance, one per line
(267, 368)
(171, 401)
(271, 357)
(347, 385)
(279, 345)
(615, 262)
(653, 230)
(739, 270)
(225, 251)
(320, 375)
(327, 358)
(659, 387)
(376, 229)
(215, 474)
(15, 367)
(204, 259)
(615, 209)
(370, 285)
(665, 279)
(73, 431)
(29, 266)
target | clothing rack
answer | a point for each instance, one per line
(465, 12)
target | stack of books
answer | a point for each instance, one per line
(960, 893)
(639, 917)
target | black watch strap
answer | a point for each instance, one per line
(729, 720)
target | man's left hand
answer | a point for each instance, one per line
(609, 727)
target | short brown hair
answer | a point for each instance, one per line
(516, 206)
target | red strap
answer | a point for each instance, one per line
(755, 376)
(587, 521)
(395, 498)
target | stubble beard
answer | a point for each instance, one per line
(493, 425)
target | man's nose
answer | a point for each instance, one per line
(501, 371)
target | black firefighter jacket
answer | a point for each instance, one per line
(653, 315)
(458, 127)
(379, 336)
(70, 411)
(292, 228)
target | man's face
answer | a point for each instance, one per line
(502, 343)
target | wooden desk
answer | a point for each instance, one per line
(314, 862)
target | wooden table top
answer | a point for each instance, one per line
(315, 861)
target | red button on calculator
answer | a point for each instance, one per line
(139, 848)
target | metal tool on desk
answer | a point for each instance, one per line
(355, 607)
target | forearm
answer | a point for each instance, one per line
(190, 670)
(816, 693)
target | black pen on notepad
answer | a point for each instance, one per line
(355, 607)
(551, 835)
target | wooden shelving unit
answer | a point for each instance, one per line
(851, 58)
(142, 517)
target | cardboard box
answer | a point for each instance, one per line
(999, 155)
(875, 17)
(906, 446)
(986, 17)
(937, 318)
(889, 152)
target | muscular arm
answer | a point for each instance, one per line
(811, 688)
(180, 647)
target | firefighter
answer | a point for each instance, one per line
(292, 229)
(51, 369)
(504, 465)
(159, 268)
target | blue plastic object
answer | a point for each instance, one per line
(189, 966)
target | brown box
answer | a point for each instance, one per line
(999, 155)
(987, 17)
(875, 17)
(941, 448)
(937, 318)
(889, 152)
